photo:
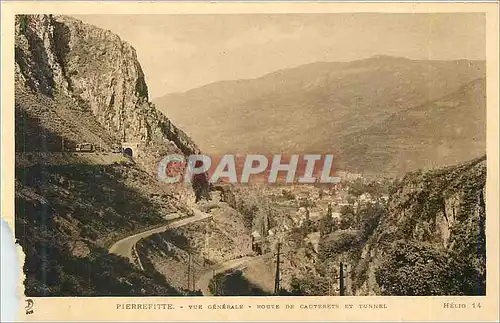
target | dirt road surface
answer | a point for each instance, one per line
(125, 246)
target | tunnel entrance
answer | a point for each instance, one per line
(127, 152)
(130, 149)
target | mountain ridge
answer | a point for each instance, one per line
(444, 116)
(316, 63)
(314, 107)
(62, 56)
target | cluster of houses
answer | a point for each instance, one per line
(311, 202)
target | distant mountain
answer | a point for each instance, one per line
(331, 106)
(441, 132)
(81, 83)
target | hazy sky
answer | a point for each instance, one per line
(180, 52)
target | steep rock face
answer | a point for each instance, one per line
(435, 221)
(99, 71)
(75, 83)
(426, 201)
(428, 240)
(37, 65)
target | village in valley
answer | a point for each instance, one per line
(298, 222)
(312, 203)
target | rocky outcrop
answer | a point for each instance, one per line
(435, 216)
(100, 72)
(36, 65)
(436, 201)
(429, 240)
(77, 83)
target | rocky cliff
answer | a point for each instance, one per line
(76, 83)
(432, 239)
(59, 56)
(429, 239)
(380, 116)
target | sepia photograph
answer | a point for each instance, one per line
(298, 154)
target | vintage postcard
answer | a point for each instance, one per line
(258, 161)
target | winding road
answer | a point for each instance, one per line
(125, 246)
(238, 263)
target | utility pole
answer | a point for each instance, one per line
(194, 283)
(189, 271)
(62, 143)
(216, 290)
(342, 287)
(277, 276)
(348, 282)
(207, 245)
